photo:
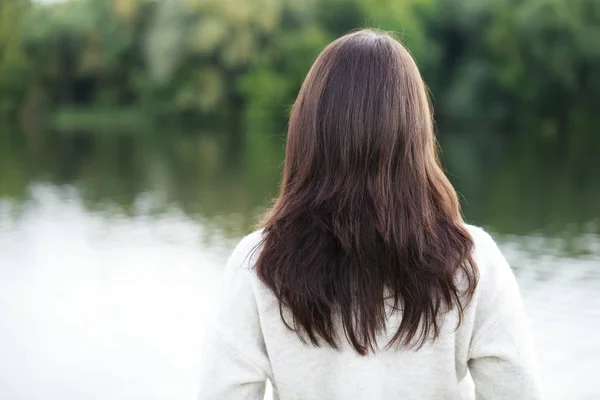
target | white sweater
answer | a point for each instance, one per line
(248, 344)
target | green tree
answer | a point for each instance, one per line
(526, 64)
(14, 65)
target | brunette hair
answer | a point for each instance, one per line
(365, 210)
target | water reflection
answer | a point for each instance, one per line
(111, 248)
(203, 175)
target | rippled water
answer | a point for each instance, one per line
(108, 266)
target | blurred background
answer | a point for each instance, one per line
(141, 139)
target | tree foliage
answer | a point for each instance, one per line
(498, 62)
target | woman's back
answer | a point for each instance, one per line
(364, 281)
(249, 344)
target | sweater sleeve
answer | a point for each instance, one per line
(502, 359)
(235, 365)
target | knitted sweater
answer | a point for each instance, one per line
(489, 356)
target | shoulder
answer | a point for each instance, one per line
(483, 240)
(495, 274)
(238, 276)
(247, 250)
(485, 249)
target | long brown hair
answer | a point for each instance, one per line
(365, 210)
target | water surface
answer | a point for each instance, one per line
(111, 247)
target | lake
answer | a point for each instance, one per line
(112, 244)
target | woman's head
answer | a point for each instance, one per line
(364, 205)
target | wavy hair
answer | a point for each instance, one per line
(365, 211)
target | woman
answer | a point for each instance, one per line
(364, 282)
